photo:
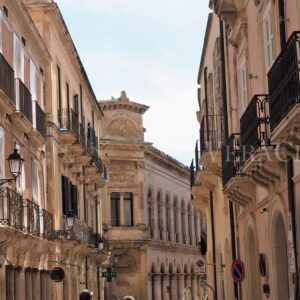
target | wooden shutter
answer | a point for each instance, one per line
(65, 194)
(75, 104)
(74, 199)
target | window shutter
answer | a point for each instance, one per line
(74, 199)
(75, 104)
(65, 194)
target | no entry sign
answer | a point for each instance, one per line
(238, 270)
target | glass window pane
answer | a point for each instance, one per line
(115, 204)
(128, 209)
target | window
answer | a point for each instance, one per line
(68, 95)
(35, 183)
(59, 87)
(243, 85)
(150, 212)
(18, 58)
(35, 83)
(128, 209)
(268, 37)
(115, 209)
(20, 182)
(75, 105)
(160, 217)
(168, 218)
(69, 196)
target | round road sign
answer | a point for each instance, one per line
(238, 270)
(200, 263)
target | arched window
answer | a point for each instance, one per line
(176, 216)
(196, 228)
(183, 222)
(190, 223)
(160, 216)
(168, 217)
(150, 213)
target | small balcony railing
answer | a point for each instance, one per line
(212, 133)
(92, 139)
(80, 232)
(231, 158)
(48, 226)
(39, 119)
(82, 135)
(24, 215)
(32, 224)
(7, 79)
(68, 121)
(283, 80)
(11, 209)
(23, 99)
(255, 126)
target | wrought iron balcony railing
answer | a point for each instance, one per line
(231, 158)
(283, 80)
(68, 121)
(11, 209)
(82, 135)
(32, 223)
(92, 139)
(23, 99)
(212, 133)
(7, 81)
(255, 126)
(39, 119)
(48, 226)
(24, 215)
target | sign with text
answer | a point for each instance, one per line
(109, 274)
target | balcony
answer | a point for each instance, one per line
(23, 215)
(22, 117)
(68, 125)
(39, 130)
(7, 86)
(284, 92)
(212, 138)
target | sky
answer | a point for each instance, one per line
(152, 50)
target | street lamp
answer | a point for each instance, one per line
(115, 259)
(15, 162)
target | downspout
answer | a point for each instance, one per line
(292, 213)
(206, 103)
(226, 136)
(213, 243)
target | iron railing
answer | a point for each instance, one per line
(39, 121)
(23, 99)
(255, 126)
(32, 218)
(48, 226)
(68, 121)
(82, 135)
(212, 133)
(7, 81)
(11, 209)
(283, 80)
(92, 139)
(231, 158)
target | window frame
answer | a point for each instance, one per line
(268, 35)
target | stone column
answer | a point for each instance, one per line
(9, 276)
(165, 287)
(188, 281)
(28, 284)
(157, 286)
(150, 296)
(174, 291)
(155, 220)
(35, 278)
(181, 285)
(122, 216)
(195, 287)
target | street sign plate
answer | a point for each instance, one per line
(238, 271)
(109, 274)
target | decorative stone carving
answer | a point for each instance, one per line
(123, 127)
(121, 178)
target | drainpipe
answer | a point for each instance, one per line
(226, 135)
(292, 213)
(211, 198)
(206, 103)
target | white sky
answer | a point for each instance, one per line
(151, 49)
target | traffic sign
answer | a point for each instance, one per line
(200, 263)
(109, 274)
(238, 271)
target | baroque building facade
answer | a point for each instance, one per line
(260, 161)
(51, 215)
(150, 224)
